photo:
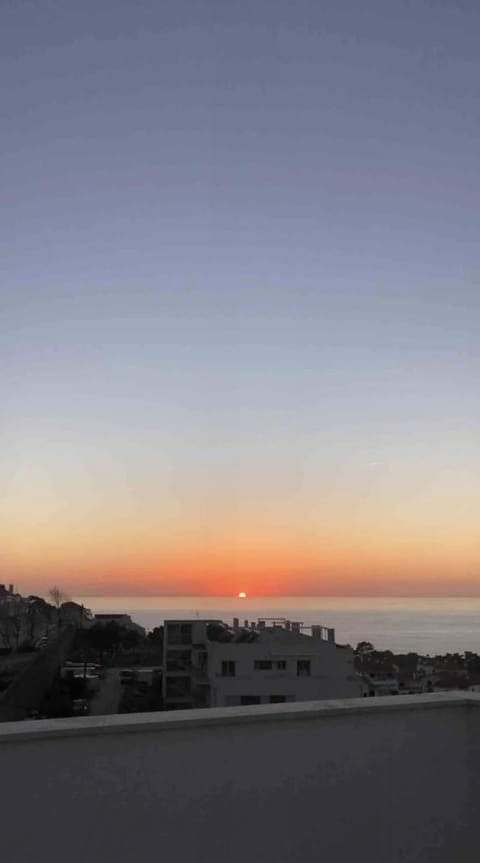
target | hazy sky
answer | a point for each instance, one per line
(240, 296)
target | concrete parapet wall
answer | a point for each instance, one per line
(387, 781)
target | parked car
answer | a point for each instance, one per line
(80, 707)
(142, 686)
(79, 669)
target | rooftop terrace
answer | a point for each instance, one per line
(388, 780)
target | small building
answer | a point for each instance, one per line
(7, 593)
(380, 677)
(123, 620)
(73, 614)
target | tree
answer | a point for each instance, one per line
(35, 618)
(11, 621)
(105, 639)
(38, 614)
(57, 596)
(129, 639)
(155, 637)
(364, 648)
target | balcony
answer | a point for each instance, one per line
(200, 674)
(178, 668)
(390, 780)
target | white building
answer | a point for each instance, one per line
(209, 664)
(185, 684)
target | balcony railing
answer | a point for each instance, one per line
(199, 673)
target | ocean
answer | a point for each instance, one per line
(426, 625)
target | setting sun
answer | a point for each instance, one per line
(242, 595)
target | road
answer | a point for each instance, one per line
(107, 699)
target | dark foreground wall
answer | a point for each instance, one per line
(376, 780)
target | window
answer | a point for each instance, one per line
(303, 668)
(263, 665)
(179, 660)
(250, 699)
(282, 665)
(228, 668)
(278, 699)
(180, 633)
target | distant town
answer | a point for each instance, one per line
(57, 659)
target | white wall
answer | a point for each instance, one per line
(332, 672)
(381, 782)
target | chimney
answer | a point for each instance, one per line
(331, 635)
(252, 625)
(246, 624)
(317, 632)
(11, 588)
(235, 623)
(295, 626)
(287, 625)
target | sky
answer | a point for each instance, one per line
(240, 296)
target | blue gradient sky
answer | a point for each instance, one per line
(240, 302)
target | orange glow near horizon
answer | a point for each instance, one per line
(294, 562)
(368, 533)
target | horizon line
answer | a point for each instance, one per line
(281, 595)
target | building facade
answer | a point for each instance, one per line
(185, 663)
(209, 664)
